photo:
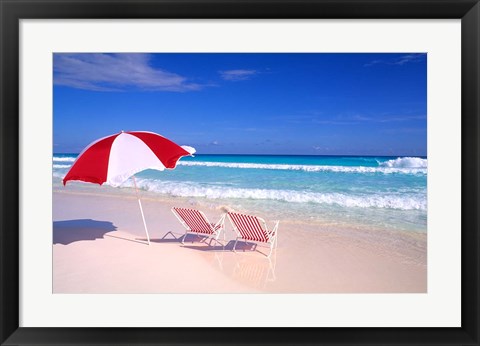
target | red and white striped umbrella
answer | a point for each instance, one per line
(114, 159)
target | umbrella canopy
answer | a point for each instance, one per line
(113, 159)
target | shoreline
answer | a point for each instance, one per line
(98, 249)
(321, 219)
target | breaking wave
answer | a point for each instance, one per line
(63, 159)
(401, 165)
(388, 167)
(387, 201)
(405, 162)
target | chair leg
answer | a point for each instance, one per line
(183, 238)
(214, 240)
(168, 234)
(271, 248)
(217, 241)
(217, 236)
(234, 245)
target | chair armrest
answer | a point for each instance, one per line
(275, 228)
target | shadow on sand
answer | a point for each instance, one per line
(69, 231)
(177, 238)
(240, 247)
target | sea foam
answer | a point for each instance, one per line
(405, 162)
(63, 159)
(402, 165)
(385, 167)
(190, 189)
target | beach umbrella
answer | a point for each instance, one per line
(114, 159)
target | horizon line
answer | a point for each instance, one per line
(246, 154)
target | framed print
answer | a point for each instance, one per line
(239, 172)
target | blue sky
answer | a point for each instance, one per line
(305, 104)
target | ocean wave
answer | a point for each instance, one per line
(61, 166)
(312, 168)
(63, 159)
(386, 201)
(401, 165)
(405, 162)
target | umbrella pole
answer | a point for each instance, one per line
(141, 209)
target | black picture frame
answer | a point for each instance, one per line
(12, 11)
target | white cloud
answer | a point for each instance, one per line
(115, 72)
(408, 58)
(401, 60)
(237, 75)
(357, 119)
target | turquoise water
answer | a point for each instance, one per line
(383, 192)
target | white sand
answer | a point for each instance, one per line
(99, 247)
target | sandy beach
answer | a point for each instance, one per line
(99, 246)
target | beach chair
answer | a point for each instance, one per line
(253, 228)
(195, 222)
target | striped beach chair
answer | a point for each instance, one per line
(195, 222)
(253, 228)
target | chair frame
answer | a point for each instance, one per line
(272, 236)
(215, 229)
